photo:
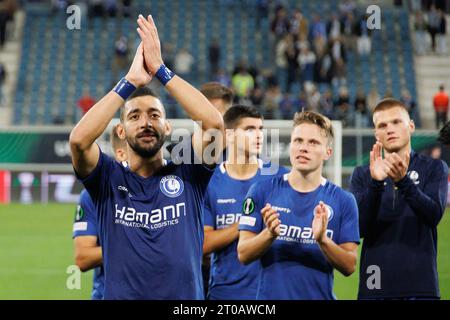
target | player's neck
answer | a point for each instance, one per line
(305, 181)
(145, 167)
(241, 171)
(402, 152)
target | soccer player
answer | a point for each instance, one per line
(230, 280)
(150, 220)
(401, 197)
(87, 249)
(300, 225)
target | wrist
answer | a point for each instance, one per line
(132, 80)
(270, 235)
(164, 74)
(322, 240)
(124, 88)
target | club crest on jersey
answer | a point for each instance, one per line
(330, 212)
(248, 206)
(414, 176)
(172, 186)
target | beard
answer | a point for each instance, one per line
(147, 151)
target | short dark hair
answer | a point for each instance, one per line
(233, 115)
(215, 90)
(389, 103)
(139, 92)
(317, 119)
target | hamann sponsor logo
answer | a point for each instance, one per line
(155, 219)
(228, 219)
(225, 201)
(298, 234)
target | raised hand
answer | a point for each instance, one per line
(378, 168)
(271, 220)
(138, 75)
(320, 222)
(152, 46)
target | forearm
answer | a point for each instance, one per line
(87, 258)
(368, 204)
(422, 205)
(195, 104)
(216, 240)
(252, 249)
(95, 121)
(341, 259)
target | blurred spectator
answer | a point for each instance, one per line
(318, 34)
(363, 42)
(287, 106)
(281, 60)
(257, 96)
(7, 10)
(334, 27)
(348, 32)
(362, 114)
(223, 78)
(323, 71)
(299, 25)
(326, 105)
(301, 102)
(436, 152)
(111, 7)
(434, 22)
(96, 8)
(410, 104)
(292, 64)
(440, 103)
(126, 8)
(420, 28)
(121, 56)
(347, 6)
(86, 102)
(242, 83)
(262, 11)
(312, 97)
(214, 56)
(442, 34)
(280, 24)
(338, 58)
(372, 99)
(306, 60)
(271, 101)
(183, 63)
(343, 110)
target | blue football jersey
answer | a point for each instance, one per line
(229, 279)
(86, 225)
(151, 229)
(294, 267)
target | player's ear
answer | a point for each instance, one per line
(329, 153)
(412, 126)
(121, 155)
(167, 127)
(120, 130)
(229, 135)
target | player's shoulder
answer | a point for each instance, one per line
(428, 163)
(85, 197)
(338, 192)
